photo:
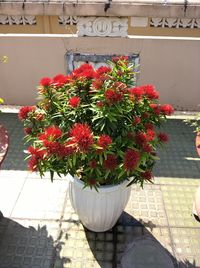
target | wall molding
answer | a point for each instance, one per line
(102, 26)
(174, 23)
(17, 20)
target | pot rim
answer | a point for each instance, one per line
(101, 189)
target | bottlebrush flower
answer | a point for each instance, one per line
(53, 147)
(92, 182)
(150, 134)
(147, 175)
(27, 130)
(150, 92)
(85, 70)
(163, 137)
(38, 152)
(45, 81)
(74, 102)
(111, 162)
(32, 163)
(119, 58)
(59, 80)
(93, 163)
(51, 133)
(102, 70)
(24, 111)
(137, 91)
(82, 136)
(141, 138)
(146, 147)
(97, 84)
(100, 104)
(166, 109)
(136, 120)
(112, 96)
(156, 108)
(104, 141)
(131, 159)
(149, 126)
(66, 149)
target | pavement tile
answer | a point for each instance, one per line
(81, 246)
(176, 181)
(186, 242)
(27, 243)
(145, 206)
(10, 189)
(178, 204)
(44, 200)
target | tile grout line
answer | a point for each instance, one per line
(168, 227)
(18, 197)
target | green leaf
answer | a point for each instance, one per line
(51, 175)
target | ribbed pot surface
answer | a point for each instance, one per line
(98, 211)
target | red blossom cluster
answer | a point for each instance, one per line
(113, 96)
(131, 159)
(24, 112)
(104, 141)
(74, 101)
(94, 123)
(84, 71)
(81, 135)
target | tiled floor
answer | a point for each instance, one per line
(41, 230)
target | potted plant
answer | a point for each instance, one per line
(97, 126)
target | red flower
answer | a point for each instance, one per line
(167, 109)
(53, 147)
(36, 155)
(93, 164)
(131, 159)
(150, 135)
(150, 92)
(38, 152)
(149, 126)
(104, 141)
(74, 102)
(147, 175)
(85, 70)
(120, 86)
(112, 96)
(39, 117)
(100, 104)
(119, 58)
(156, 108)
(27, 130)
(137, 120)
(45, 82)
(59, 80)
(51, 133)
(145, 115)
(147, 148)
(141, 138)
(111, 162)
(67, 149)
(82, 136)
(138, 92)
(163, 137)
(97, 84)
(32, 163)
(102, 70)
(24, 111)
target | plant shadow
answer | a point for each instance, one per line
(110, 247)
(28, 247)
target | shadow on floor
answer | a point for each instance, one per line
(22, 247)
(125, 235)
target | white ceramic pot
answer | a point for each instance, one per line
(98, 211)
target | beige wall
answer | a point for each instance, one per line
(172, 65)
